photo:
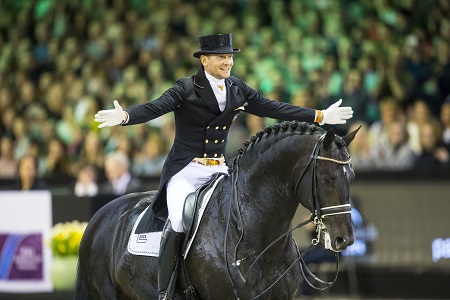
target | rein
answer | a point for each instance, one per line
(318, 213)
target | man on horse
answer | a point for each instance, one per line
(205, 106)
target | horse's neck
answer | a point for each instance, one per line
(265, 192)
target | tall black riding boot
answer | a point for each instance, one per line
(168, 259)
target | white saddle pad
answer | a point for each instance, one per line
(147, 244)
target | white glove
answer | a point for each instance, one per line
(110, 117)
(336, 115)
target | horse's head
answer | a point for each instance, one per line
(323, 187)
(315, 163)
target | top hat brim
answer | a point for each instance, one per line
(206, 52)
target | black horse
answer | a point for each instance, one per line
(279, 168)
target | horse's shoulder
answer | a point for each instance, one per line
(138, 199)
(143, 197)
(140, 195)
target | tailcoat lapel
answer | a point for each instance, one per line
(231, 100)
(203, 88)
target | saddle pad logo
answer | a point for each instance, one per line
(141, 238)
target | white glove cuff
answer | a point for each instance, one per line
(125, 119)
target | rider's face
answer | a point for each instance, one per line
(218, 65)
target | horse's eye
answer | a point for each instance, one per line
(327, 181)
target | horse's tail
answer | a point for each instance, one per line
(81, 292)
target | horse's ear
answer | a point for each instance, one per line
(348, 138)
(329, 138)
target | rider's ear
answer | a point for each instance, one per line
(329, 138)
(348, 138)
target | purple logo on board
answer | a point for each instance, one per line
(21, 257)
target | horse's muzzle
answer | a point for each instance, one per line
(340, 243)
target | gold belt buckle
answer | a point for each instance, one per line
(211, 162)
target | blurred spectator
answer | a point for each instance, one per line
(442, 66)
(332, 76)
(150, 159)
(254, 123)
(56, 163)
(360, 148)
(445, 122)
(92, 151)
(119, 141)
(66, 127)
(119, 179)
(418, 62)
(27, 96)
(356, 97)
(390, 111)
(419, 114)
(8, 115)
(36, 114)
(434, 155)
(302, 97)
(366, 65)
(5, 98)
(44, 82)
(8, 164)
(394, 78)
(22, 140)
(35, 149)
(86, 182)
(394, 153)
(40, 51)
(54, 100)
(28, 175)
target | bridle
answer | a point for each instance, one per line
(318, 213)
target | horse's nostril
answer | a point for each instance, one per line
(340, 243)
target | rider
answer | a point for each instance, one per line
(204, 105)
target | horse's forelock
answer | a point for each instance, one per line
(340, 142)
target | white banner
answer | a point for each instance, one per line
(25, 228)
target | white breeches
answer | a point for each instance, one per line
(182, 184)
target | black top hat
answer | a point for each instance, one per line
(216, 44)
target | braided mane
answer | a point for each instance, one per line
(287, 127)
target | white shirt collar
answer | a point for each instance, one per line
(220, 93)
(214, 81)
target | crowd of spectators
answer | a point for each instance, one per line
(62, 61)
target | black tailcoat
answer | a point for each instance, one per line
(201, 128)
